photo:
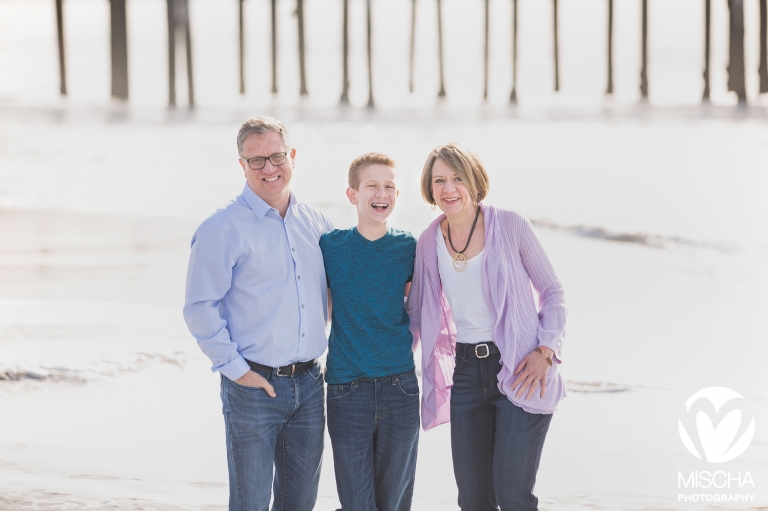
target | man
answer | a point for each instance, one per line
(256, 302)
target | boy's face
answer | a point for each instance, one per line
(376, 195)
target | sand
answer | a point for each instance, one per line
(123, 412)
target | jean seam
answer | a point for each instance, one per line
(539, 449)
(489, 457)
(383, 401)
(285, 474)
(298, 401)
(232, 451)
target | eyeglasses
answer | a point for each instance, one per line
(259, 162)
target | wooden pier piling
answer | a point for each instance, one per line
(441, 92)
(171, 4)
(736, 74)
(763, 70)
(345, 55)
(302, 64)
(368, 7)
(274, 46)
(609, 87)
(178, 21)
(513, 94)
(487, 48)
(241, 40)
(707, 45)
(556, 45)
(60, 40)
(188, 45)
(644, 58)
(119, 47)
(412, 54)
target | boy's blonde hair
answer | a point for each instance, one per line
(361, 162)
(463, 162)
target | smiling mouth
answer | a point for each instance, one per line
(380, 206)
(451, 200)
(271, 179)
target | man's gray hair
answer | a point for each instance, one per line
(261, 126)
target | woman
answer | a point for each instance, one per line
(471, 303)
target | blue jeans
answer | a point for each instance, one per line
(284, 432)
(496, 445)
(374, 430)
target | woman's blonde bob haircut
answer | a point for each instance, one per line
(463, 162)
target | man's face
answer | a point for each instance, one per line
(272, 183)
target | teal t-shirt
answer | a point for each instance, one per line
(369, 326)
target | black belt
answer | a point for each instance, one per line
(480, 350)
(284, 370)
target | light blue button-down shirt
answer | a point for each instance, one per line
(256, 286)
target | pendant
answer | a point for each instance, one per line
(459, 262)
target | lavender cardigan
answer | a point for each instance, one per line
(514, 261)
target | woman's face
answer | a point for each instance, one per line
(450, 194)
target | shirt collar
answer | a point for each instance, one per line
(258, 205)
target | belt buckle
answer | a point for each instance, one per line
(281, 369)
(487, 351)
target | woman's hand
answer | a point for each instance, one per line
(532, 374)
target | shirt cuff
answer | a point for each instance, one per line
(235, 369)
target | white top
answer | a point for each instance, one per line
(464, 291)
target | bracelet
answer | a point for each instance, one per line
(549, 360)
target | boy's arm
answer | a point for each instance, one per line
(330, 305)
(407, 288)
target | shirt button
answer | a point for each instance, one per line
(293, 249)
(302, 305)
(302, 335)
(299, 277)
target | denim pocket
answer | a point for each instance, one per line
(316, 373)
(408, 385)
(337, 392)
(245, 388)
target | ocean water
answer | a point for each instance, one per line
(654, 216)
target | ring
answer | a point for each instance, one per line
(535, 381)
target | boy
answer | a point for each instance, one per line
(373, 393)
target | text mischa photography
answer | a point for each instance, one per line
(383, 254)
